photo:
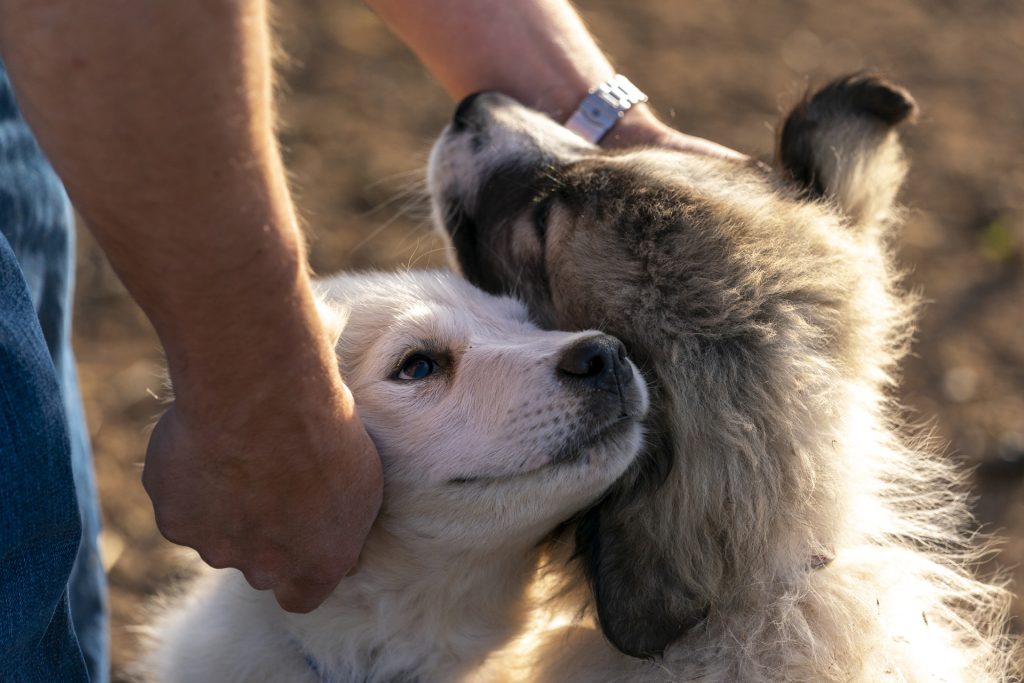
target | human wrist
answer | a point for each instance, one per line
(252, 342)
(603, 108)
(299, 397)
(615, 114)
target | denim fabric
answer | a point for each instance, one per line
(39, 520)
(51, 586)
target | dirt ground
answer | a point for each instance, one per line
(360, 114)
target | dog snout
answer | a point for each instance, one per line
(467, 113)
(598, 362)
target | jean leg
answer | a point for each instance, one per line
(53, 295)
(87, 585)
(36, 219)
(40, 524)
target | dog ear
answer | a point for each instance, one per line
(641, 605)
(840, 145)
(643, 602)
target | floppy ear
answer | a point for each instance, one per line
(840, 145)
(641, 606)
(644, 603)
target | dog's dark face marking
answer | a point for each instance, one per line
(480, 239)
(710, 273)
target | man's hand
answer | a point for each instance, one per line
(641, 127)
(282, 486)
(536, 51)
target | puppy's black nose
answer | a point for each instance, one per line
(463, 117)
(598, 362)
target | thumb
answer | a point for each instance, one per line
(162, 442)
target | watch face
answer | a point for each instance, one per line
(603, 107)
(599, 110)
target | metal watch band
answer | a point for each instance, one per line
(603, 106)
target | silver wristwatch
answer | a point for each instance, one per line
(602, 108)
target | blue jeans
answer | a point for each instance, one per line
(52, 586)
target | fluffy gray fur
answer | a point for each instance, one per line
(782, 523)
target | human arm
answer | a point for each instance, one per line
(537, 51)
(158, 117)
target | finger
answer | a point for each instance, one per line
(302, 597)
(259, 580)
(712, 149)
(159, 443)
(265, 567)
(215, 556)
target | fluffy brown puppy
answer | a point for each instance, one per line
(780, 524)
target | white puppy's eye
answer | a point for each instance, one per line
(417, 366)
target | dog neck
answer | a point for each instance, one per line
(417, 611)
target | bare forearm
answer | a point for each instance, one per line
(158, 117)
(537, 51)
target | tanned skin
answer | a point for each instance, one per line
(538, 51)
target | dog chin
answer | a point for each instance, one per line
(608, 452)
(610, 439)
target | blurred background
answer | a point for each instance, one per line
(360, 114)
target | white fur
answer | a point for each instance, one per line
(442, 580)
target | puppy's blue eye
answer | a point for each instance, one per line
(416, 366)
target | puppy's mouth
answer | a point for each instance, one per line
(576, 451)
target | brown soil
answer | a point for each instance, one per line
(360, 114)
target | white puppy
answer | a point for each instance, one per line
(491, 432)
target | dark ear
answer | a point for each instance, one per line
(640, 606)
(464, 234)
(643, 604)
(839, 145)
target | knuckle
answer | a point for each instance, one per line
(264, 571)
(291, 600)
(328, 570)
(173, 526)
(151, 480)
(323, 576)
(218, 555)
(258, 579)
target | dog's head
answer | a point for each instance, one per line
(490, 430)
(743, 296)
